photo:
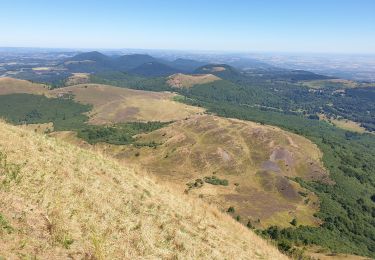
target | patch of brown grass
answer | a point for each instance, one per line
(344, 124)
(318, 84)
(187, 81)
(15, 86)
(215, 69)
(73, 203)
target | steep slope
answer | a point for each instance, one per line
(58, 201)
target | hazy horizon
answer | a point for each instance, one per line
(338, 27)
(198, 51)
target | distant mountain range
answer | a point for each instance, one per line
(149, 66)
(141, 64)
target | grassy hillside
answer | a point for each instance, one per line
(59, 201)
(232, 163)
(114, 105)
(347, 208)
(70, 107)
(14, 86)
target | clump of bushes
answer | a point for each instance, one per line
(216, 181)
(230, 209)
(196, 184)
(249, 224)
(120, 134)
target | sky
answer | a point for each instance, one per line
(324, 26)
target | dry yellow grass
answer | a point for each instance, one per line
(214, 69)
(323, 256)
(187, 81)
(66, 202)
(318, 84)
(39, 128)
(14, 86)
(344, 124)
(114, 105)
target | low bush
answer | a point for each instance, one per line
(216, 181)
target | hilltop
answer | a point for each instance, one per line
(60, 201)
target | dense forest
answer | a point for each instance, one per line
(65, 114)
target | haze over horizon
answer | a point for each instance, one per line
(267, 26)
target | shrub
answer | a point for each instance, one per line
(230, 209)
(196, 184)
(4, 225)
(216, 181)
(249, 224)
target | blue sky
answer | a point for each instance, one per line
(346, 26)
